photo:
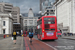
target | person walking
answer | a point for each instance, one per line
(21, 32)
(30, 37)
(14, 35)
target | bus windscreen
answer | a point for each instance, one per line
(49, 20)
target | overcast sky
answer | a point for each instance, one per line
(25, 5)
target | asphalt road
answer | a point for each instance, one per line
(60, 44)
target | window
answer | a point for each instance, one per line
(49, 20)
(65, 29)
(3, 23)
(48, 7)
(25, 24)
(3, 31)
(39, 22)
(15, 20)
(25, 21)
(35, 22)
(31, 22)
(30, 17)
(51, 10)
(26, 18)
(8, 5)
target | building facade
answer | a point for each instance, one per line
(6, 23)
(17, 19)
(21, 21)
(5, 7)
(47, 8)
(30, 22)
(15, 11)
(41, 1)
(9, 8)
(65, 12)
(16, 14)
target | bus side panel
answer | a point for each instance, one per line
(39, 32)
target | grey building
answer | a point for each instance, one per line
(18, 19)
(30, 22)
(16, 14)
(18, 26)
(5, 7)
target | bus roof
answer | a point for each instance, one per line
(46, 16)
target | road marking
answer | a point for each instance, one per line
(26, 45)
(47, 44)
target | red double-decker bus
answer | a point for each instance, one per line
(47, 28)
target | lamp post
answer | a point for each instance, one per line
(40, 13)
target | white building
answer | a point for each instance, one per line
(6, 26)
(65, 12)
(47, 8)
(30, 13)
(30, 22)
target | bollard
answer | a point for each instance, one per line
(4, 36)
(7, 35)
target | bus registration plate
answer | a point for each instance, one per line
(49, 34)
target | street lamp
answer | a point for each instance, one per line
(40, 13)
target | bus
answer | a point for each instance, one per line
(47, 28)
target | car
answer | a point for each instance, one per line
(59, 33)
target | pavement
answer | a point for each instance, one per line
(7, 44)
(1, 38)
(69, 37)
